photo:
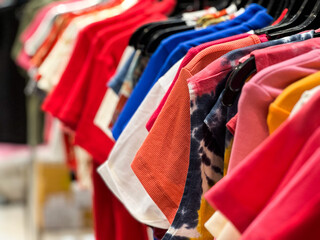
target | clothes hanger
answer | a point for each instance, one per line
(182, 5)
(221, 4)
(273, 7)
(149, 31)
(137, 34)
(145, 38)
(263, 3)
(242, 3)
(285, 5)
(229, 3)
(312, 22)
(293, 7)
(301, 10)
(238, 77)
(161, 35)
(244, 70)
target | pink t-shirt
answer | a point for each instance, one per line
(262, 90)
(190, 55)
(244, 193)
(275, 55)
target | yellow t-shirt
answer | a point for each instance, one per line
(281, 108)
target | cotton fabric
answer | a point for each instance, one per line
(116, 171)
(262, 161)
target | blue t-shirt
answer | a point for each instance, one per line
(260, 20)
(151, 73)
(116, 82)
(170, 43)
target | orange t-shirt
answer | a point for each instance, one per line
(161, 163)
(57, 29)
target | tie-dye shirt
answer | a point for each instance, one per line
(206, 162)
(263, 58)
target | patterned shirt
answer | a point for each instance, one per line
(206, 164)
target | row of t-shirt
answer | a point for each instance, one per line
(175, 139)
(265, 104)
(160, 135)
(97, 34)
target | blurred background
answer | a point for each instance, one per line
(40, 195)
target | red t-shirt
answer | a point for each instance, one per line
(112, 220)
(74, 69)
(87, 95)
(304, 224)
(78, 95)
(68, 100)
(301, 191)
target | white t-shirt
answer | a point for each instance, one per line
(305, 97)
(117, 172)
(55, 63)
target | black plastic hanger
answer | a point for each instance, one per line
(293, 8)
(285, 5)
(311, 22)
(237, 79)
(161, 35)
(263, 3)
(221, 4)
(274, 7)
(228, 3)
(298, 14)
(136, 35)
(303, 13)
(187, 5)
(242, 3)
(289, 5)
(316, 35)
(148, 32)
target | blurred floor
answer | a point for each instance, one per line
(13, 226)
